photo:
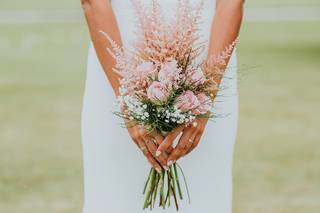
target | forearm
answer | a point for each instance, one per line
(225, 26)
(100, 17)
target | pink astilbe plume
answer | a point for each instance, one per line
(126, 66)
(214, 68)
(162, 42)
(125, 61)
(154, 33)
(185, 29)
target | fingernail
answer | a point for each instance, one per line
(158, 170)
(158, 153)
(170, 163)
(165, 168)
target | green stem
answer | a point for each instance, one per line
(155, 190)
(175, 198)
(185, 182)
(161, 187)
(172, 178)
(173, 188)
(145, 185)
(177, 180)
(169, 189)
(149, 188)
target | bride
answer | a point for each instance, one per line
(114, 170)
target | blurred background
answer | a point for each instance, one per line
(43, 50)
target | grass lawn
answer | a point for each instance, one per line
(42, 78)
(281, 3)
(278, 151)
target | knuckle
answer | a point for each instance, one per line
(135, 135)
(160, 159)
(164, 146)
(162, 162)
(200, 130)
(141, 132)
(180, 148)
(174, 155)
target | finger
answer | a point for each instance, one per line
(167, 153)
(148, 155)
(190, 143)
(169, 150)
(197, 136)
(152, 149)
(195, 143)
(159, 139)
(183, 141)
(168, 141)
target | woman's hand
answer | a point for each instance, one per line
(148, 143)
(190, 138)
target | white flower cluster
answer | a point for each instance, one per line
(136, 109)
(175, 115)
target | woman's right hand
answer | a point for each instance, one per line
(148, 143)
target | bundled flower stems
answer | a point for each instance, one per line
(162, 86)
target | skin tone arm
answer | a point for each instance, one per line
(225, 29)
(100, 17)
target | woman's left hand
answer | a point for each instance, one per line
(190, 138)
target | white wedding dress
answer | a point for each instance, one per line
(115, 169)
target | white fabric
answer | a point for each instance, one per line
(115, 170)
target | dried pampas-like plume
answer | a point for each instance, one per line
(214, 68)
(162, 41)
(186, 27)
(125, 61)
(153, 32)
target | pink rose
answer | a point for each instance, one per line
(169, 73)
(187, 101)
(204, 106)
(158, 92)
(196, 77)
(146, 69)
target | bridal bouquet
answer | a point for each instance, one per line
(162, 86)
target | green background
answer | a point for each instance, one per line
(277, 155)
